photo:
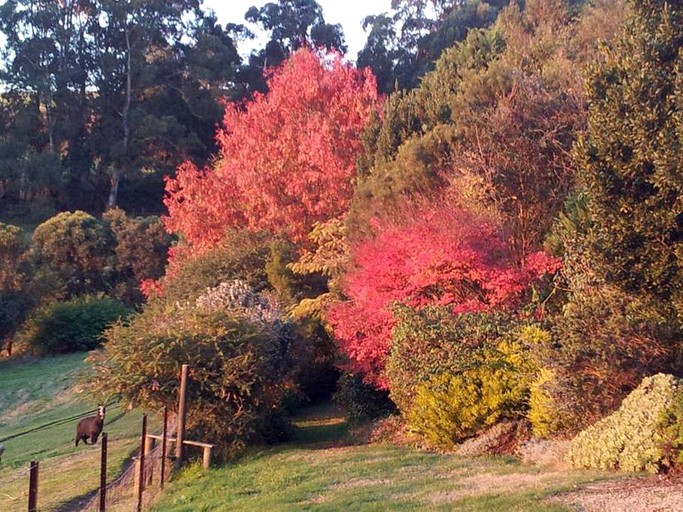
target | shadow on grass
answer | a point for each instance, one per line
(77, 503)
(321, 426)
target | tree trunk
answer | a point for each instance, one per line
(125, 125)
(49, 121)
(114, 181)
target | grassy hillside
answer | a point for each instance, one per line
(322, 469)
(317, 472)
(38, 392)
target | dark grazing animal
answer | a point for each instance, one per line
(90, 427)
(2, 450)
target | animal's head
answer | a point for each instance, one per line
(101, 410)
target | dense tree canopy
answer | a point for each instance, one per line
(293, 25)
(500, 113)
(287, 159)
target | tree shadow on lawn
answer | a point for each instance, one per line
(321, 426)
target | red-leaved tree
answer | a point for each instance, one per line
(443, 256)
(287, 158)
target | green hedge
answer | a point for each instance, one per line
(71, 326)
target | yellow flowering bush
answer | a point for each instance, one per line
(448, 408)
(543, 414)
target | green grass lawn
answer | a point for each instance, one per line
(36, 392)
(318, 472)
(321, 469)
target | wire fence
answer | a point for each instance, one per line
(51, 424)
(138, 483)
(68, 495)
(125, 487)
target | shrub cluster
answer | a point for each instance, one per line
(434, 341)
(608, 341)
(453, 374)
(71, 255)
(241, 362)
(240, 255)
(642, 435)
(70, 326)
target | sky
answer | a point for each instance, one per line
(348, 13)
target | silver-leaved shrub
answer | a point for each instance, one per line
(634, 437)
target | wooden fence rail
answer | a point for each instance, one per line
(206, 447)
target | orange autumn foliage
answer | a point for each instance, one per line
(287, 158)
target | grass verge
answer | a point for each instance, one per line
(317, 472)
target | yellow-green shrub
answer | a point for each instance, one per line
(451, 407)
(633, 438)
(543, 414)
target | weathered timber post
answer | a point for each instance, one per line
(103, 473)
(164, 434)
(182, 414)
(206, 457)
(141, 461)
(33, 487)
(149, 447)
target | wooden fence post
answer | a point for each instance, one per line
(164, 434)
(103, 474)
(141, 477)
(182, 405)
(33, 487)
(206, 457)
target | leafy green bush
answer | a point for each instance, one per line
(453, 374)
(451, 407)
(14, 307)
(241, 255)
(14, 301)
(79, 248)
(240, 357)
(433, 341)
(140, 252)
(71, 326)
(362, 401)
(607, 342)
(642, 435)
(12, 246)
